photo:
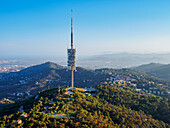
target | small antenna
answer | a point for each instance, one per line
(71, 29)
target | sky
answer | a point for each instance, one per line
(41, 28)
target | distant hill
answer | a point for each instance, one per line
(33, 73)
(156, 69)
(148, 67)
(42, 72)
(161, 72)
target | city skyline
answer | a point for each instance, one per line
(42, 28)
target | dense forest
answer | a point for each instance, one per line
(110, 106)
(156, 106)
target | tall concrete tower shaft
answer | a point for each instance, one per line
(71, 63)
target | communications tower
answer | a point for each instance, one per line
(71, 63)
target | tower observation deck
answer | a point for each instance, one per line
(71, 63)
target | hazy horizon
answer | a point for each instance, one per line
(79, 56)
(115, 60)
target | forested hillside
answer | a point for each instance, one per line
(110, 106)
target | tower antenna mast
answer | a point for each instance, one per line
(71, 63)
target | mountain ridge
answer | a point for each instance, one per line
(48, 75)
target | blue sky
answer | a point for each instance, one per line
(42, 27)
